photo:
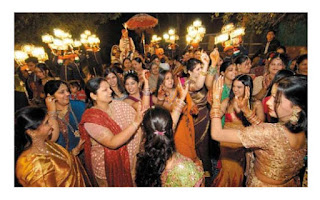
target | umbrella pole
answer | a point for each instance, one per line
(143, 43)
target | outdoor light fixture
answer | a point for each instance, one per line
(155, 39)
(196, 33)
(60, 43)
(29, 50)
(40, 53)
(20, 57)
(229, 35)
(171, 36)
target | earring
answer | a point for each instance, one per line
(294, 117)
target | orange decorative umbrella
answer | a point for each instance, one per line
(141, 21)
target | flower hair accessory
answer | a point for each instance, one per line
(159, 132)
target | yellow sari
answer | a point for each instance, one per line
(57, 169)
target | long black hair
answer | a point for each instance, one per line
(294, 88)
(158, 148)
(161, 77)
(119, 82)
(246, 80)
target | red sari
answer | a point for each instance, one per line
(117, 163)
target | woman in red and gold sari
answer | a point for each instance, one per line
(107, 159)
(233, 156)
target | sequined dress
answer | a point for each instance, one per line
(274, 158)
(183, 172)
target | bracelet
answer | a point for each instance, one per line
(252, 118)
(146, 92)
(52, 114)
(249, 115)
(135, 124)
(215, 113)
(203, 73)
(216, 106)
(212, 71)
(179, 105)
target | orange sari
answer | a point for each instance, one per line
(184, 137)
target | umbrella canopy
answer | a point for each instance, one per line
(141, 21)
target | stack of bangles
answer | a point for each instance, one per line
(212, 70)
(179, 105)
(146, 92)
(52, 114)
(215, 111)
(252, 118)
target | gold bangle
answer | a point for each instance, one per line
(252, 118)
(215, 114)
(203, 73)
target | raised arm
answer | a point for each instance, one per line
(217, 133)
(198, 84)
(146, 91)
(214, 56)
(179, 104)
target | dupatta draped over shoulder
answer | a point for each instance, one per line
(117, 164)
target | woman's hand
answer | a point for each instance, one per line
(145, 75)
(236, 106)
(217, 91)
(243, 103)
(162, 92)
(140, 113)
(214, 55)
(75, 151)
(266, 81)
(182, 90)
(50, 103)
(204, 58)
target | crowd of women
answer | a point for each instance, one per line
(206, 121)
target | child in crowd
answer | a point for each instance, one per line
(76, 92)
